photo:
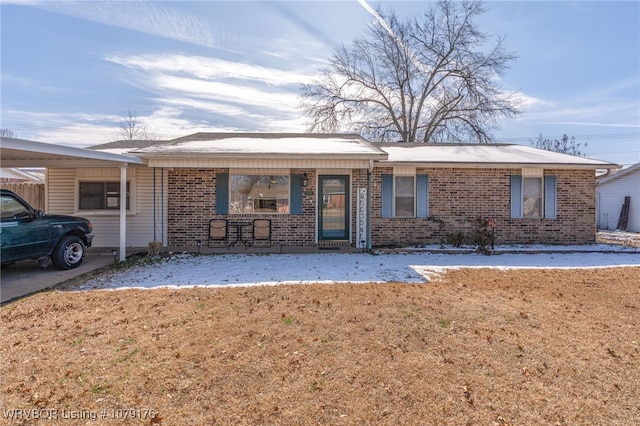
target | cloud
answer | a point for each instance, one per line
(153, 18)
(249, 96)
(606, 106)
(71, 129)
(208, 68)
(525, 101)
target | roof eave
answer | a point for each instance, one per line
(264, 156)
(19, 152)
(619, 174)
(483, 165)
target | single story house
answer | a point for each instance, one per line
(612, 189)
(329, 191)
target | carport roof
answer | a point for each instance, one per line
(26, 153)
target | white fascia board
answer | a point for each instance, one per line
(265, 156)
(61, 152)
(479, 165)
(619, 174)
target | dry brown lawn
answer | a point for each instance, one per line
(481, 347)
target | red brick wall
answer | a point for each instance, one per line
(458, 196)
(192, 204)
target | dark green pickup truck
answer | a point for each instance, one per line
(27, 233)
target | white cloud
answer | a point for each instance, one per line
(210, 68)
(525, 101)
(252, 97)
(153, 18)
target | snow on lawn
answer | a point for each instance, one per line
(269, 269)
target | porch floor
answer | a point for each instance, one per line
(276, 248)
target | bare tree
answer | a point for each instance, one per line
(7, 133)
(426, 79)
(564, 145)
(132, 128)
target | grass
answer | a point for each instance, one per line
(477, 347)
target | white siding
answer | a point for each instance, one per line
(611, 198)
(62, 198)
(60, 191)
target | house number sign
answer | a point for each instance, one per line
(361, 218)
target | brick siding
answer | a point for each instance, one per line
(456, 198)
(192, 204)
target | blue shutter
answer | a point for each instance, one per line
(295, 203)
(422, 195)
(387, 195)
(222, 193)
(516, 196)
(550, 197)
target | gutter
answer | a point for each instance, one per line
(475, 165)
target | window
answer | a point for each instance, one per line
(101, 196)
(13, 209)
(405, 196)
(258, 194)
(533, 197)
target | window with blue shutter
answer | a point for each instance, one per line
(296, 194)
(422, 195)
(387, 195)
(550, 197)
(516, 196)
(222, 193)
(390, 191)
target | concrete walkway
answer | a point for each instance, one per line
(26, 277)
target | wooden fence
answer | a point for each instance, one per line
(32, 193)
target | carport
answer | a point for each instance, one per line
(17, 153)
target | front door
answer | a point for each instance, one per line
(333, 211)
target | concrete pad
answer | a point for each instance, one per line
(26, 276)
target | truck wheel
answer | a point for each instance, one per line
(69, 253)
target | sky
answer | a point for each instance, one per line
(71, 70)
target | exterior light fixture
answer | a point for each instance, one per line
(305, 180)
(198, 244)
(114, 253)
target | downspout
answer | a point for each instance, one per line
(164, 243)
(123, 212)
(155, 202)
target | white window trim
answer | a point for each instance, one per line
(542, 199)
(404, 171)
(532, 172)
(254, 172)
(415, 195)
(104, 212)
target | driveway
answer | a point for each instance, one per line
(26, 277)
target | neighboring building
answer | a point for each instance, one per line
(27, 183)
(15, 175)
(611, 192)
(331, 191)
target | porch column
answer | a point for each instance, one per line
(123, 212)
(369, 205)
